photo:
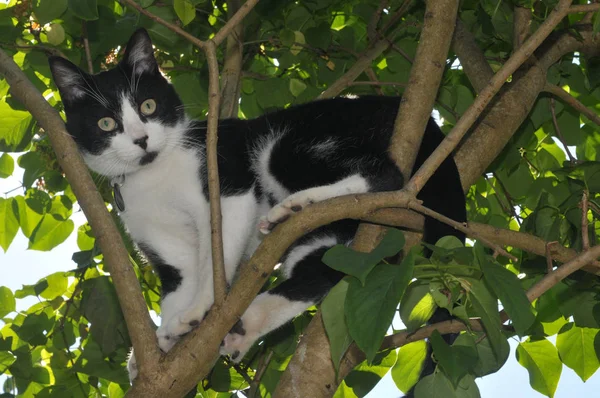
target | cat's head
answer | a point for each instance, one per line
(124, 118)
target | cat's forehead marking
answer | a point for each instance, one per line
(132, 123)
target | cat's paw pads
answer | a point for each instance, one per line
(282, 211)
(237, 342)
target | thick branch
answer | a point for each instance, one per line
(568, 99)
(425, 76)
(471, 57)
(422, 175)
(232, 67)
(116, 257)
(521, 25)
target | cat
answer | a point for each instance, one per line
(130, 126)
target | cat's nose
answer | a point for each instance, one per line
(142, 142)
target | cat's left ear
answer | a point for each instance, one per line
(139, 54)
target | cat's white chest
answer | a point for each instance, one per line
(165, 198)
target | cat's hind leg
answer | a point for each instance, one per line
(308, 282)
(354, 183)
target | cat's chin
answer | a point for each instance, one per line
(148, 158)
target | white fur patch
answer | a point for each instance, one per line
(261, 158)
(266, 313)
(301, 251)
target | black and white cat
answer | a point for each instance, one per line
(130, 126)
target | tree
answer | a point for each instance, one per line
(516, 86)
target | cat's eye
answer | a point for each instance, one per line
(148, 107)
(107, 124)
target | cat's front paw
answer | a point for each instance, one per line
(282, 211)
(132, 368)
(237, 342)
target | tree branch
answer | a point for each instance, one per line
(422, 175)
(522, 22)
(86, 46)
(471, 57)
(366, 58)
(214, 190)
(497, 125)
(568, 99)
(217, 39)
(232, 67)
(425, 76)
(116, 257)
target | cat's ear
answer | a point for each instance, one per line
(139, 54)
(69, 79)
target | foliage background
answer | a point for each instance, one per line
(74, 341)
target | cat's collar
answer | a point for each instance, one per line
(116, 184)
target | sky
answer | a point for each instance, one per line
(19, 266)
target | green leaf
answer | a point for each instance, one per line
(34, 327)
(576, 348)
(507, 287)
(6, 359)
(417, 305)
(48, 10)
(297, 86)
(541, 360)
(335, 325)
(84, 9)
(437, 385)
(7, 165)
(488, 361)
(15, 131)
(57, 285)
(9, 225)
(454, 361)
(185, 10)
(358, 264)
(596, 24)
(28, 217)
(485, 305)
(7, 301)
(408, 367)
(192, 93)
(364, 377)
(50, 233)
(370, 308)
(101, 307)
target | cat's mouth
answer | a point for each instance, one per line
(148, 158)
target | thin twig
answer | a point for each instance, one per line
(549, 265)
(374, 21)
(373, 77)
(378, 83)
(567, 98)
(461, 227)
(197, 42)
(260, 371)
(585, 234)
(422, 175)
(234, 21)
(86, 45)
(214, 191)
(572, 159)
(36, 47)
(584, 8)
